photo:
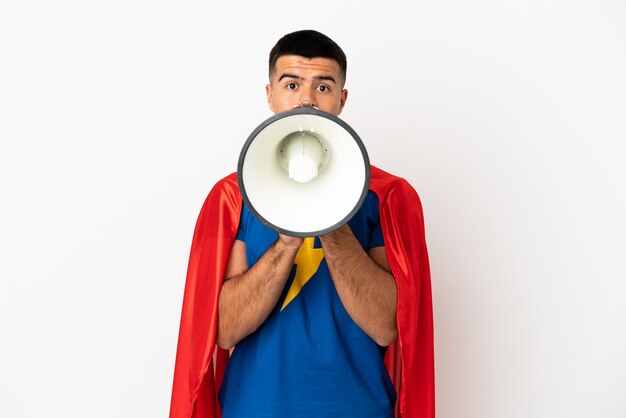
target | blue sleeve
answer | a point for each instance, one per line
(376, 234)
(365, 224)
(241, 231)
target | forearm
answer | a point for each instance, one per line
(367, 291)
(247, 299)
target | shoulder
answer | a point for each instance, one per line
(226, 187)
(225, 193)
(227, 184)
(390, 187)
(400, 206)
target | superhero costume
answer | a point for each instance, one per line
(308, 359)
(200, 364)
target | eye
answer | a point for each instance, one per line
(323, 88)
(292, 86)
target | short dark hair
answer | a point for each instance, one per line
(308, 44)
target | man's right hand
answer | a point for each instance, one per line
(290, 242)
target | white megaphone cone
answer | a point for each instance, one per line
(303, 172)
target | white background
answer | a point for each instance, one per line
(116, 118)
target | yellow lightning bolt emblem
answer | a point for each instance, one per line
(307, 260)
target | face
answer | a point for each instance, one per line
(297, 79)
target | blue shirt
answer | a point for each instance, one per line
(309, 358)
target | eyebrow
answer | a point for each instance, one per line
(319, 77)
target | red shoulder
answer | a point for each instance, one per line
(389, 186)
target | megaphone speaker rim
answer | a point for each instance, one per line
(290, 113)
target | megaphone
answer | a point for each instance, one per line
(303, 172)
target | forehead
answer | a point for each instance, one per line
(295, 64)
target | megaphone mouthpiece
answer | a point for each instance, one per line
(304, 155)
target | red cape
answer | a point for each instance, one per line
(200, 363)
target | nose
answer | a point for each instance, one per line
(307, 104)
(307, 97)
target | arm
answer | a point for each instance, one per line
(247, 296)
(364, 284)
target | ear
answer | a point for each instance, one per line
(344, 97)
(268, 92)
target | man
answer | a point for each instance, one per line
(311, 320)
